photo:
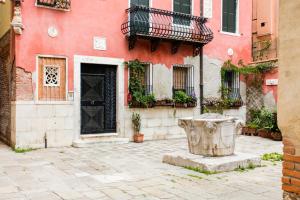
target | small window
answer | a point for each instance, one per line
(52, 84)
(146, 78)
(182, 6)
(231, 85)
(51, 75)
(183, 79)
(229, 16)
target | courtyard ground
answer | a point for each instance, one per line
(132, 171)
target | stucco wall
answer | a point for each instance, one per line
(289, 94)
(5, 17)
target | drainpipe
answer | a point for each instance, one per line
(201, 67)
(201, 81)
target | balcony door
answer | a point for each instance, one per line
(140, 19)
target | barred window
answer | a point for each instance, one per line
(146, 78)
(231, 84)
(183, 79)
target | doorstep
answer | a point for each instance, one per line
(95, 139)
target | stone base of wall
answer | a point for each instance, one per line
(35, 122)
(290, 196)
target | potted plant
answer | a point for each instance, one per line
(276, 134)
(250, 129)
(136, 123)
(266, 123)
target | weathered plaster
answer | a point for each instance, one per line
(163, 81)
(288, 90)
(212, 76)
(269, 101)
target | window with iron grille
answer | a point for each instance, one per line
(229, 16)
(231, 85)
(183, 79)
(57, 4)
(182, 6)
(147, 78)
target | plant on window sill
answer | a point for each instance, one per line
(181, 99)
(137, 97)
(214, 104)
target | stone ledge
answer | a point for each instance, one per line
(214, 164)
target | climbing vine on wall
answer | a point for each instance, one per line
(137, 90)
(252, 73)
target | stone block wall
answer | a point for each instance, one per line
(35, 122)
(160, 122)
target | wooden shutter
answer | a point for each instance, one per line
(52, 92)
(229, 16)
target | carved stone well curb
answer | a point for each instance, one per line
(211, 134)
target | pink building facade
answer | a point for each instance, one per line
(70, 84)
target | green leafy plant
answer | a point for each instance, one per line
(272, 157)
(136, 122)
(137, 90)
(181, 97)
(22, 150)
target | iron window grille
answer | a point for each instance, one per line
(156, 25)
(51, 76)
(147, 78)
(183, 79)
(57, 4)
(231, 85)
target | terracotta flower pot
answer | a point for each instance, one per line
(249, 131)
(276, 136)
(264, 134)
(138, 138)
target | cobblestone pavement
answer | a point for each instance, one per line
(131, 171)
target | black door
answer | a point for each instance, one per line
(140, 19)
(98, 99)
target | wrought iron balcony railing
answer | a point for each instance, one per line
(57, 4)
(157, 25)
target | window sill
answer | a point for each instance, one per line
(53, 8)
(231, 34)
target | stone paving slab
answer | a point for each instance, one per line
(212, 164)
(132, 171)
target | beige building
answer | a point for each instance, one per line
(289, 95)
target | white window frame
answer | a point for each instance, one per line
(58, 76)
(237, 32)
(37, 79)
(183, 26)
(151, 74)
(191, 69)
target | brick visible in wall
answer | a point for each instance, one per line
(24, 90)
(291, 172)
(5, 88)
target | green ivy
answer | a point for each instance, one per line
(246, 70)
(136, 88)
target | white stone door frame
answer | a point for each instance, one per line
(78, 60)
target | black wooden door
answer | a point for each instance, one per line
(98, 99)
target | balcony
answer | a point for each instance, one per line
(161, 25)
(55, 4)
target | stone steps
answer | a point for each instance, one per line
(92, 140)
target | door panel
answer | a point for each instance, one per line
(98, 99)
